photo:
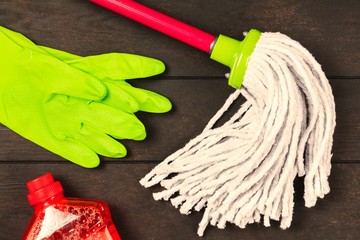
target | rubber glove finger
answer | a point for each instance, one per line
(116, 96)
(118, 124)
(116, 66)
(120, 99)
(65, 147)
(147, 100)
(36, 67)
(65, 79)
(123, 96)
(14, 39)
(73, 82)
(101, 143)
(61, 55)
(126, 66)
(84, 87)
(71, 150)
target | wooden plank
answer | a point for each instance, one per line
(137, 216)
(195, 102)
(328, 29)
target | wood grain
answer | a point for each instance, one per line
(138, 216)
(196, 86)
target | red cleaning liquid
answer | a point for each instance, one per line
(57, 217)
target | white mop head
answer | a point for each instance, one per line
(244, 169)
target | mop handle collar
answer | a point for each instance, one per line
(160, 22)
(235, 54)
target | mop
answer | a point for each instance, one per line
(242, 171)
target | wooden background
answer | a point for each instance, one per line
(197, 88)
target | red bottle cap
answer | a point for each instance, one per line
(43, 188)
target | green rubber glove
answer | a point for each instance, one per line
(113, 69)
(69, 106)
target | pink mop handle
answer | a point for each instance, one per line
(160, 22)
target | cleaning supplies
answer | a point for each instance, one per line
(60, 217)
(74, 106)
(243, 171)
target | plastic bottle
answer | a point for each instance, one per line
(58, 217)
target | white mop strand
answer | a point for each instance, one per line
(245, 168)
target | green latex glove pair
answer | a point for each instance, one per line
(74, 106)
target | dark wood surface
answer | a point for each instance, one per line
(195, 85)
